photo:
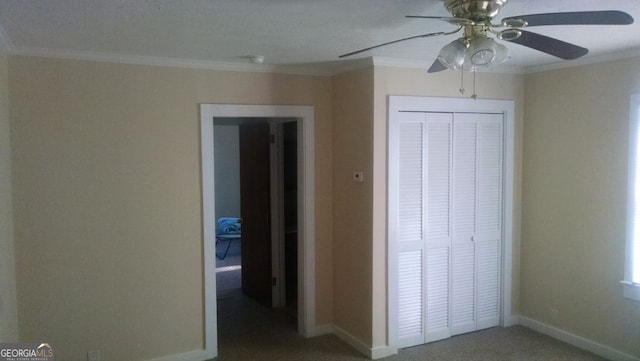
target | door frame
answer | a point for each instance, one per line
(452, 105)
(306, 210)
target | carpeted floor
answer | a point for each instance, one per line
(248, 331)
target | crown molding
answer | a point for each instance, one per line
(318, 69)
(352, 65)
(6, 46)
(303, 69)
(597, 59)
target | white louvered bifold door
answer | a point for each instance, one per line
(438, 230)
(445, 223)
(489, 229)
(477, 228)
(463, 253)
(410, 229)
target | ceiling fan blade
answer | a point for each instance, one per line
(397, 41)
(445, 18)
(607, 17)
(545, 44)
(448, 19)
(437, 66)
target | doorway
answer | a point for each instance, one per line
(256, 237)
(302, 117)
(256, 181)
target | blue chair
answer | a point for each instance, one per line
(227, 229)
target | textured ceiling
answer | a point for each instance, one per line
(303, 34)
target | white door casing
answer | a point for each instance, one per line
(306, 210)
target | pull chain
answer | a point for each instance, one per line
(474, 96)
(461, 81)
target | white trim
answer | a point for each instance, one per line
(322, 330)
(6, 46)
(512, 320)
(208, 232)
(306, 208)
(372, 353)
(197, 355)
(329, 69)
(596, 59)
(352, 341)
(436, 104)
(508, 212)
(631, 290)
(577, 341)
(382, 352)
(346, 66)
(170, 62)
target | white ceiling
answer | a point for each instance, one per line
(299, 35)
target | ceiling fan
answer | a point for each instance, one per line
(475, 50)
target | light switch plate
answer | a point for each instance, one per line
(93, 355)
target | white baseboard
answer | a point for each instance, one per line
(196, 355)
(352, 341)
(372, 353)
(511, 321)
(321, 330)
(577, 341)
(382, 352)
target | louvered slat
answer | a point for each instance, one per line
(464, 181)
(489, 282)
(439, 179)
(490, 176)
(490, 165)
(411, 144)
(410, 300)
(463, 288)
(437, 293)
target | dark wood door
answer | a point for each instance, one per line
(255, 209)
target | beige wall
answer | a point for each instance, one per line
(360, 138)
(574, 201)
(352, 210)
(106, 192)
(107, 200)
(398, 81)
(8, 308)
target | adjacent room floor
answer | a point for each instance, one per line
(228, 269)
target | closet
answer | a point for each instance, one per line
(446, 179)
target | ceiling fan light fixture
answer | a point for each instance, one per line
(484, 53)
(474, 54)
(452, 55)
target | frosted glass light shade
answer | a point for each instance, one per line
(452, 55)
(484, 53)
(480, 53)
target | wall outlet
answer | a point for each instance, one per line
(93, 355)
(554, 316)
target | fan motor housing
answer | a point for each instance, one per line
(476, 10)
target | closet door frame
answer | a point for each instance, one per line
(402, 104)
